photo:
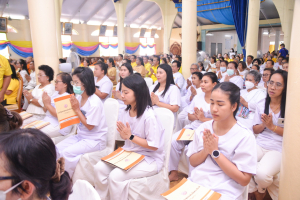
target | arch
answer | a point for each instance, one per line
(11, 29)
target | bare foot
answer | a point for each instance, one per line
(259, 196)
(173, 176)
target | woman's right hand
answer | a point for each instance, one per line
(75, 104)
(46, 99)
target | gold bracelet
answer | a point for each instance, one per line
(275, 129)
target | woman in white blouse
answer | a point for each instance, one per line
(125, 71)
(223, 150)
(165, 93)
(139, 127)
(250, 98)
(268, 124)
(92, 129)
(242, 69)
(21, 64)
(186, 100)
(103, 83)
(198, 112)
(45, 76)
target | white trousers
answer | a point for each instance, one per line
(51, 131)
(113, 183)
(267, 170)
(73, 147)
(182, 119)
(176, 151)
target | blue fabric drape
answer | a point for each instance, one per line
(20, 53)
(87, 53)
(239, 10)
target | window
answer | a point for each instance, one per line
(4, 52)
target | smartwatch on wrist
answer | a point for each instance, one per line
(30, 100)
(131, 137)
(215, 154)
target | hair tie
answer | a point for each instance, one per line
(60, 170)
(8, 113)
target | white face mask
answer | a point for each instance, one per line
(4, 193)
(249, 85)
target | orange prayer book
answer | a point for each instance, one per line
(123, 159)
(65, 114)
(25, 115)
(186, 135)
(36, 124)
(187, 190)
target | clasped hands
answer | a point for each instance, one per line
(210, 141)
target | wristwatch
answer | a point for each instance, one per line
(30, 100)
(131, 137)
(215, 154)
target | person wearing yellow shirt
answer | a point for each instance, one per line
(147, 64)
(133, 61)
(11, 93)
(5, 76)
(140, 67)
(226, 57)
(153, 70)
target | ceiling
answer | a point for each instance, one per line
(139, 13)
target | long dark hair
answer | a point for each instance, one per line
(23, 65)
(169, 81)
(14, 74)
(284, 75)
(141, 93)
(141, 60)
(31, 155)
(232, 91)
(112, 61)
(66, 79)
(129, 67)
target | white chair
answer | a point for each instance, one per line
(149, 81)
(184, 163)
(83, 190)
(85, 167)
(58, 139)
(151, 187)
(65, 67)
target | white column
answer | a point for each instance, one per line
(44, 33)
(277, 38)
(58, 5)
(120, 7)
(289, 175)
(288, 10)
(85, 32)
(253, 26)
(189, 30)
(169, 13)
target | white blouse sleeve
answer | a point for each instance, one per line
(258, 97)
(244, 157)
(197, 144)
(153, 132)
(258, 112)
(107, 87)
(188, 95)
(180, 82)
(93, 114)
(174, 96)
(191, 107)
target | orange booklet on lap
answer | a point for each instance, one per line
(187, 190)
(65, 114)
(186, 135)
(25, 115)
(123, 159)
(36, 124)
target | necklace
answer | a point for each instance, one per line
(275, 109)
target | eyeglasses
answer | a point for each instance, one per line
(193, 68)
(275, 84)
(7, 178)
(57, 81)
(40, 75)
(75, 83)
(266, 75)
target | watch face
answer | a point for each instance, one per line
(216, 153)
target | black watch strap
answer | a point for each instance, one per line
(131, 137)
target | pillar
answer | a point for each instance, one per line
(58, 5)
(288, 10)
(169, 13)
(289, 175)
(277, 38)
(85, 32)
(189, 30)
(120, 7)
(44, 34)
(203, 39)
(27, 34)
(253, 26)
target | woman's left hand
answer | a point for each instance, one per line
(154, 98)
(46, 99)
(211, 141)
(28, 95)
(125, 131)
(75, 104)
(193, 91)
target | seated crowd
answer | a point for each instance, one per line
(234, 107)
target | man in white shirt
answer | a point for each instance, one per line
(270, 64)
(194, 68)
(231, 75)
(178, 78)
(249, 61)
(279, 63)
